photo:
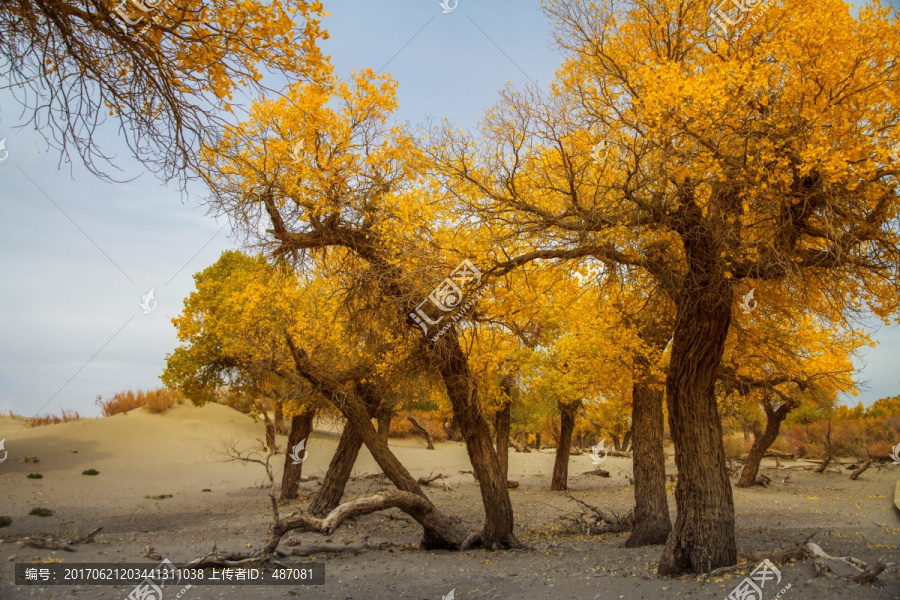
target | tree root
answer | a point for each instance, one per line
(594, 521)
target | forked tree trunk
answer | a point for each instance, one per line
(501, 436)
(463, 393)
(301, 427)
(761, 443)
(703, 536)
(560, 480)
(439, 531)
(341, 466)
(651, 512)
(279, 419)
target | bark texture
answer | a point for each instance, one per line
(703, 537)
(301, 428)
(652, 524)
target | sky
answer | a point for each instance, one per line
(78, 255)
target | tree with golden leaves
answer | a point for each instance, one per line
(705, 162)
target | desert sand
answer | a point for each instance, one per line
(180, 453)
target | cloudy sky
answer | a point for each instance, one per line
(78, 254)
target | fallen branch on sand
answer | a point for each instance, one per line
(53, 542)
(593, 520)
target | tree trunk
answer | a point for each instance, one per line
(463, 393)
(270, 432)
(703, 537)
(301, 427)
(439, 531)
(279, 419)
(537, 440)
(341, 466)
(560, 480)
(418, 427)
(761, 443)
(452, 430)
(617, 445)
(384, 417)
(626, 441)
(501, 429)
(652, 524)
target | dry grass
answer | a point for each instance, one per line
(64, 417)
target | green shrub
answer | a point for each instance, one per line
(35, 476)
(160, 497)
(41, 512)
(5, 521)
(91, 472)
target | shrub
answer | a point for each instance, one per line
(64, 417)
(91, 472)
(155, 401)
(41, 512)
(35, 476)
(159, 497)
(5, 521)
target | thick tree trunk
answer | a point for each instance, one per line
(703, 537)
(617, 445)
(501, 430)
(560, 480)
(439, 530)
(761, 443)
(279, 419)
(463, 394)
(652, 524)
(537, 440)
(341, 465)
(301, 427)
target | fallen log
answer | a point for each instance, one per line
(846, 566)
(772, 454)
(598, 471)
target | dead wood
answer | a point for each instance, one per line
(845, 566)
(598, 471)
(54, 542)
(511, 485)
(598, 521)
(871, 572)
(519, 447)
(619, 454)
(423, 431)
(763, 480)
(430, 478)
(771, 454)
(331, 549)
(860, 470)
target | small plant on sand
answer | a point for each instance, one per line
(159, 497)
(32, 459)
(5, 521)
(91, 472)
(41, 512)
(35, 476)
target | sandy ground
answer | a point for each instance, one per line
(180, 453)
